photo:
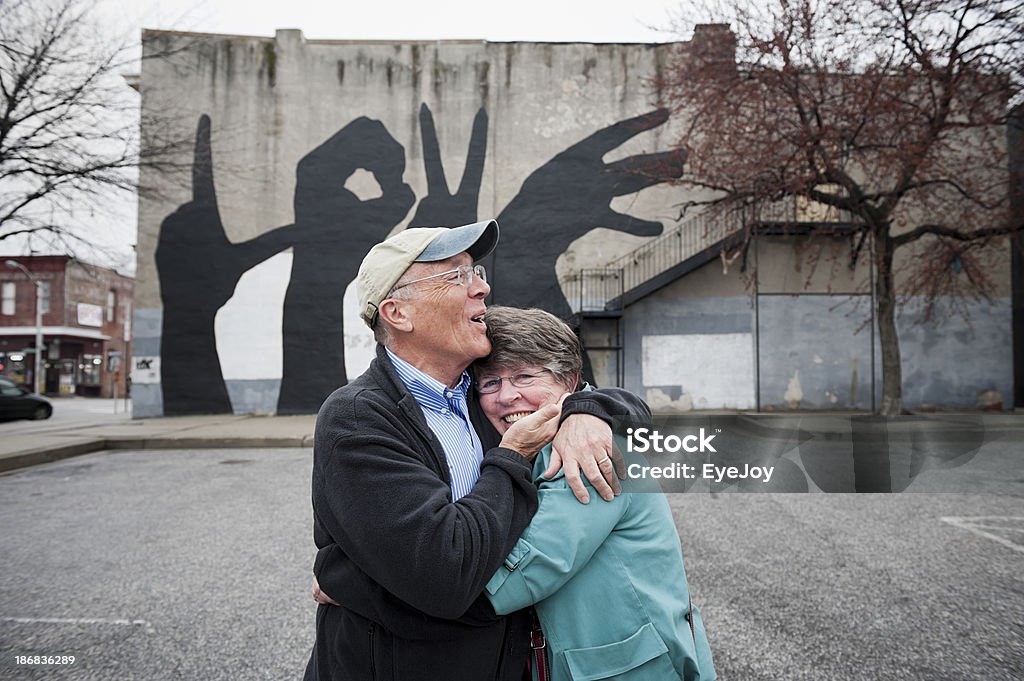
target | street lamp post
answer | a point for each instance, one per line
(14, 264)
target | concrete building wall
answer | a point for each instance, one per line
(801, 337)
(309, 152)
(690, 345)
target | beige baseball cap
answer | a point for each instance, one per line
(386, 262)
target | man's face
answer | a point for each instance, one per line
(448, 318)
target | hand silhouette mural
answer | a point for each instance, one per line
(439, 208)
(335, 229)
(198, 268)
(564, 199)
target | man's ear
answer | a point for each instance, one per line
(575, 383)
(395, 313)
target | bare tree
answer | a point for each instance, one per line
(891, 111)
(69, 124)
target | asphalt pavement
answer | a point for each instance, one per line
(182, 564)
(194, 563)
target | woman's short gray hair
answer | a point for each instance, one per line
(531, 338)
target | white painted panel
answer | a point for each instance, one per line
(144, 370)
(715, 370)
(90, 315)
(248, 327)
(360, 348)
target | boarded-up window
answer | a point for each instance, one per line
(44, 297)
(7, 292)
(111, 305)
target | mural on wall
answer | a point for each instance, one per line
(438, 207)
(564, 199)
(335, 230)
(199, 267)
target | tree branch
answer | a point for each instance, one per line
(948, 232)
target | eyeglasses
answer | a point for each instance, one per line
(492, 384)
(460, 276)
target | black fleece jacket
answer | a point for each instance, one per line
(401, 557)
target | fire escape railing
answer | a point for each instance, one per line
(592, 289)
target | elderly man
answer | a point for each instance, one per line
(416, 500)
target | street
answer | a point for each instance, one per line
(72, 411)
(196, 565)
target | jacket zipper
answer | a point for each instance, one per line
(373, 656)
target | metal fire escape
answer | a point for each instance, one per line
(598, 296)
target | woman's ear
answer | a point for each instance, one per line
(395, 314)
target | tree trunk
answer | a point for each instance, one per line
(885, 300)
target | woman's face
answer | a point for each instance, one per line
(509, 402)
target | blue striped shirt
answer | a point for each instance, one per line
(447, 414)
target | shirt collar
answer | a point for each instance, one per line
(428, 391)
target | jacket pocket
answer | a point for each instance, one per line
(603, 662)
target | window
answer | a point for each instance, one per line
(111, 305)
(44, 297)
(9, 388)
(7, 291)
(89, 369)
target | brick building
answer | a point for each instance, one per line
(86, 325)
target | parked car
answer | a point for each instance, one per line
(17, 402)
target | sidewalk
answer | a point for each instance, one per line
(227, 431)
(29, 443)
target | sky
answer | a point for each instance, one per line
(528, 20)
(113, 229)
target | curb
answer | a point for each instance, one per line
(25, 459)
(36, 457)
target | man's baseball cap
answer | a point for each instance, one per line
(386, 262)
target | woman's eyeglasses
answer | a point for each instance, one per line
(492, 384)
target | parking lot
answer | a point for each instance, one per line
(195, 564)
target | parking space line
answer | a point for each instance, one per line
(978, 525)
(999, 527)
(78, 620)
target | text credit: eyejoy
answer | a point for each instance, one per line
(643, 440)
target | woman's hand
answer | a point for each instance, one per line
(529, 434)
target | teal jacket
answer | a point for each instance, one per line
(609, 587)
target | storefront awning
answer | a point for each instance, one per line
(73, 331)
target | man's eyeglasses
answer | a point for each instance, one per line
(460, 276)
(492, 384)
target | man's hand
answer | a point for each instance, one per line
(585, 442)
(320, 597)
(529, 434)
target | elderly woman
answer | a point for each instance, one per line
(627, 550)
